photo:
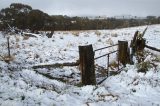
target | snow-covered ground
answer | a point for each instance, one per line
(21, 85)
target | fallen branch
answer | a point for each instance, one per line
(30, 35)
(56, 65)
(50, 77)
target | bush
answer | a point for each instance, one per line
(144, 66)
(145, 61)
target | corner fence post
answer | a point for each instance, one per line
(123, 52)
(87, 69)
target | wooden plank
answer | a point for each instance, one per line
(56, 65)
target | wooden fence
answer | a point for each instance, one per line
(87, 58)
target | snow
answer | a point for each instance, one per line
(21, 85)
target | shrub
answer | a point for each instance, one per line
(145, 61)
(144, 66)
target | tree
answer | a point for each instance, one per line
(14, 15)
(151, 19)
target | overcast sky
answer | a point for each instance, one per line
(92, 7)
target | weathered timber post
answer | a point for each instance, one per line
(132, 45)
(9, 55)
(123, 52)
(87, 65)
(140, 44)
(108, 64)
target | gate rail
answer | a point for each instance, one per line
(105, 47)
(108, 56)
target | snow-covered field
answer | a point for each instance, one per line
(21, 85)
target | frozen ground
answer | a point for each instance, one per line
(20, 85)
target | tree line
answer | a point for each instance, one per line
(24, 17)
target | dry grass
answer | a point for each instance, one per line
(25, 37)
(75, 33)
(110, 41)
(65, 33)
(157, 59)
(113, 65)
(17, 46)
(17, 38)
(7, 59)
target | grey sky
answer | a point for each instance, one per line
(92, 7)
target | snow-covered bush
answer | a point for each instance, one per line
(98, 33)
(114, 34)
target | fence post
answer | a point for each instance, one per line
(108, 64)
(9, 55)
(123, 52)
(87, 65)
